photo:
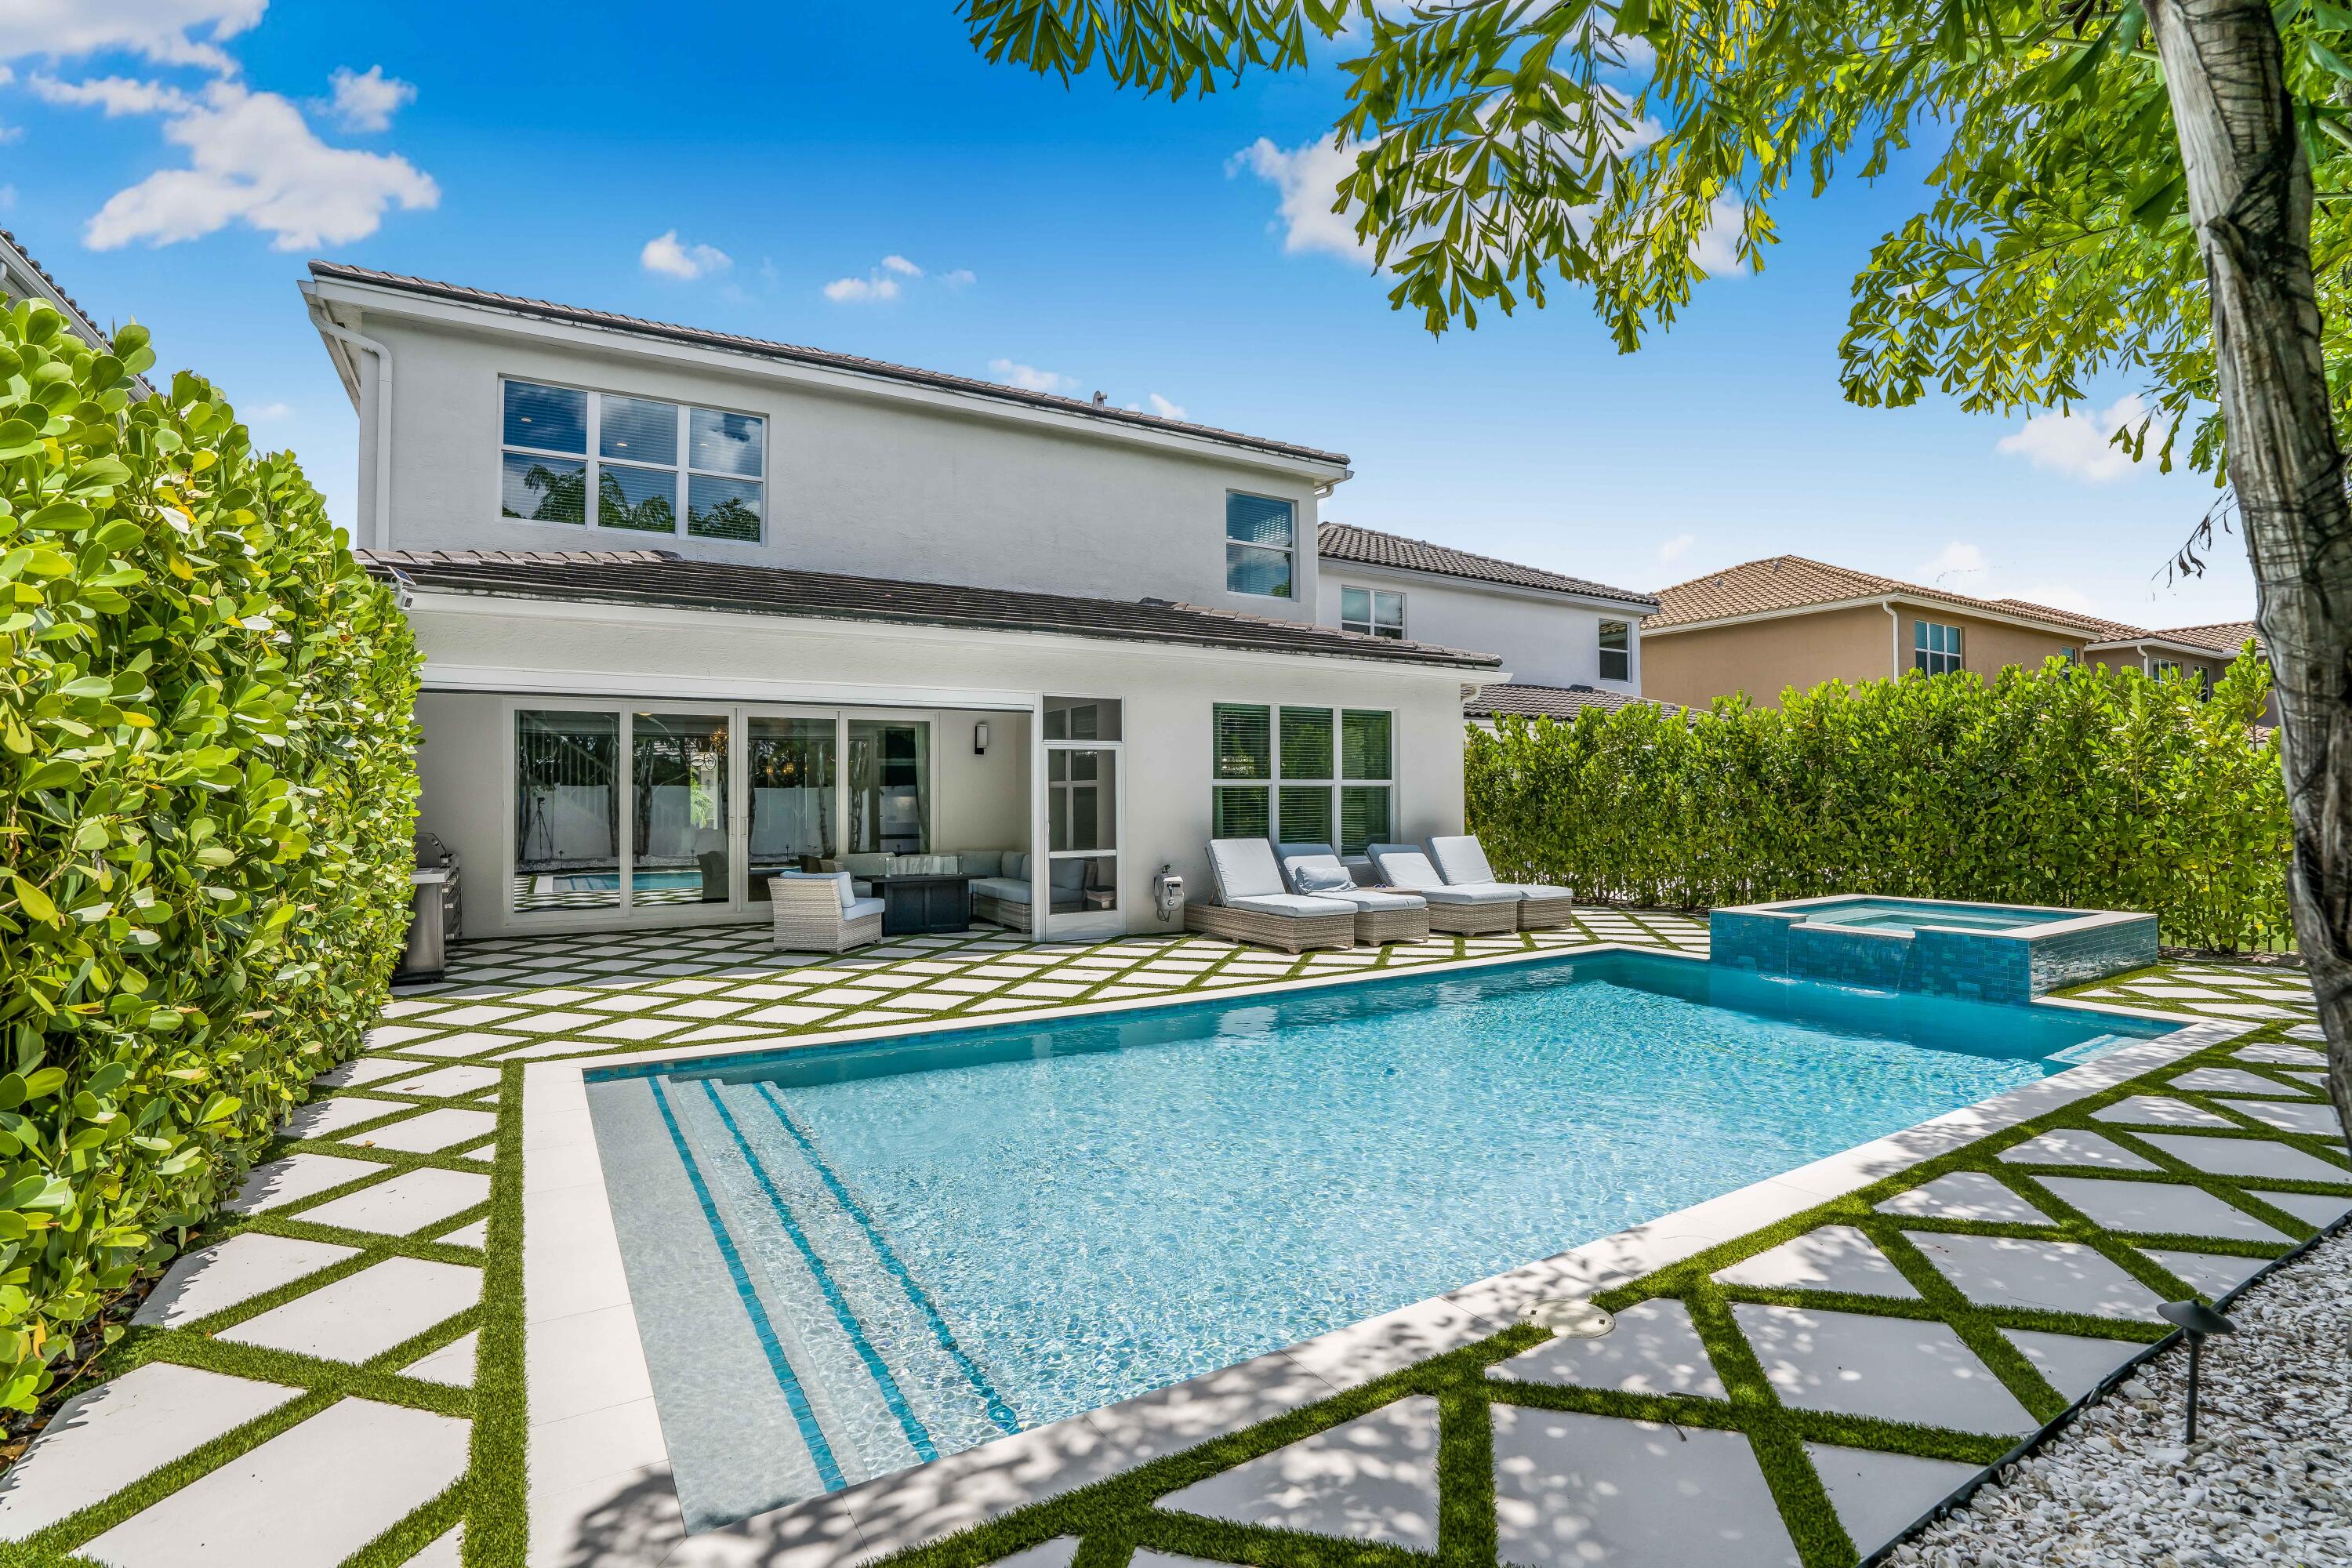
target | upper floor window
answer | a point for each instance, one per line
(634, 463)
(1935, 649)
(1375, 612)
(1260, 533)
(1616, 650)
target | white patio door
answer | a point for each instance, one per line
(1085, 769)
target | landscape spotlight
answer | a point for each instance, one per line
(2195, 1319)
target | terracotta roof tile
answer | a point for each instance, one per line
(580, 315)
(1794, 582)
(1549, 702)
(1342, 542)
(2223, 637)
(662, 577)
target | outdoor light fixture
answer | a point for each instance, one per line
(1572, 1317)
(2195, 1319)
(980, 739)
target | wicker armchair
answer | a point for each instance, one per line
(811, 917)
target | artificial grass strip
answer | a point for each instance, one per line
(498, 1506)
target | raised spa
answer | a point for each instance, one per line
(1992, 953)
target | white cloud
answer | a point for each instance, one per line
(962, 278)
(1717, 246)
(1165, 409)
(665, 255)
(1306, 179)
(2076, 444)
(1958, 559)
(269, 411)
(169, 32)
(1029, 378)
(861, 291)
(1677, 547)
(367, 102)
(116, 95)
(901, 266)
(252, 158)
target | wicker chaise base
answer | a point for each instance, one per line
(1474, 920)
(1545, 914)
(1375, 928)
(1291, 933)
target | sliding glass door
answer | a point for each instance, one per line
(645, 806)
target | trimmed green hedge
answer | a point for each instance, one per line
(2085, 787)
(206, 788)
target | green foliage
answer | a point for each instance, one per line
(207, 791)
(2088, 788)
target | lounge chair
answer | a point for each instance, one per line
(1462, 862)
(820, 912)
(1314, 871)
(1253, 904)
(1457, 912)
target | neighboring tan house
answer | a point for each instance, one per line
(1764, 626)
(1566, 642)
(697, 607)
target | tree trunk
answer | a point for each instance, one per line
(2250, 199)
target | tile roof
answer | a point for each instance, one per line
(1342, 542)
(661, 577)
(2223, 637)
(1548, 701)
(1794, 582)
(18, 246)
(579, 315)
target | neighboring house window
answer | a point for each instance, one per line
(2069, 655)
(1616, 650)
(630, 463)
(1303, 776)
(1934, 648)
(2166, 666)
(1259, 534)
(1375, 612)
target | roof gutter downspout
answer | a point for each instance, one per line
(1894, 638)
(376, 518)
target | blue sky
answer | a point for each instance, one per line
(178, 160)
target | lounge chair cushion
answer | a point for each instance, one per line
(1314, 868)
(1289, 904)
(1244, 868)
(1407, 869)
(840, 881)
(859, 909)
(1374, 898)
(1537, 892)
(1461, 859)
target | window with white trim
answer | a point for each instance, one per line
(1616, 650)
(1375, 612)
(1935, 649)
(1303, 776)
(1261, 533)
(634, 464)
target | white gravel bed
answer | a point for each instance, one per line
(2268, 1480)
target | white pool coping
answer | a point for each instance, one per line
(600, 1490)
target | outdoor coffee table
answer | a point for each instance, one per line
(916, 902)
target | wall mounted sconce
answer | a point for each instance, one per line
(980, 739)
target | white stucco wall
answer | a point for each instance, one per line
(482, 655)
(1545, 639)
(860, 479)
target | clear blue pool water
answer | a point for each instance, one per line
(991, 1229)
(1907, 915)
(610, 881)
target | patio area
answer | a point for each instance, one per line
(346, 1369)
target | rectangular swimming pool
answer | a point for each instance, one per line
(845, 1261)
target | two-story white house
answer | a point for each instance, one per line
(697, 607)
(1568, 643)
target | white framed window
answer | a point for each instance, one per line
(638, 465)
(1935, 649)
(1303, 776)
(1375, 612)
(1083, 758)
(1616, 650)
(1261, 536)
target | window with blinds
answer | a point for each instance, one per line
(1303, 776)
(1260, 532)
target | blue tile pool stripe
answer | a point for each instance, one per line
(918, 1436)
(827, 1470)
(1003, 1414)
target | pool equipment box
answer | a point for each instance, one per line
(1991, 952)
